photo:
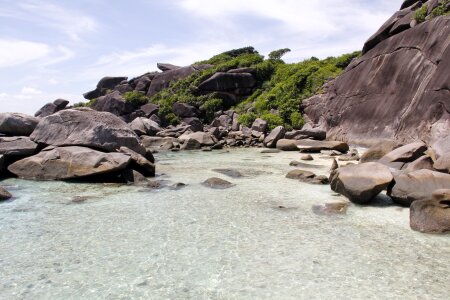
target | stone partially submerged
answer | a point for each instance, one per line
(89, 128)
(433, 215)
(71, 162)
(361, 183)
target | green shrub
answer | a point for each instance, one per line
(171, 119)
(297, 120)
(441, 9)
(272, 120)
(247, 119)
(135, 98)
(278, 54)
(210, 107)
(421, 14)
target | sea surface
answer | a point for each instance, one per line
(259, 239)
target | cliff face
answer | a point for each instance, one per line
(399, 88)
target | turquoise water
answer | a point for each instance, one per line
(128, 242)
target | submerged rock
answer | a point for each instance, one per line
(378, 150)
(328, 209)
(217, 183)
(432, 215)
(139, 162)
(69, 162)
(307, 157)
(229, 172)
(4, 194)
(307, 177)
(361, 183)
(89, 128)
(17, 124)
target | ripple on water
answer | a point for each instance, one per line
(260, 239)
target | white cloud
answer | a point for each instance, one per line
(30, 91)
(17, 52)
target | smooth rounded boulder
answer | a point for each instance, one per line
(217, 183)
(17, 146)
(378, 150)
(397, 158)
(62, 163)
(274, 136)
(433, 215)
(86, 127)
(361, 183)
(17, 124)
(204, 138)
(144, 126)
(417, 185)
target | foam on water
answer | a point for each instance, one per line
(198, 243)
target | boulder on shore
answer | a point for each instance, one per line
(404, 154)
(17, 124)
(204, 138)
(105, 84)
(144, 126)
(63, 163)
(86, 127)
(361, 183)
(139, 162)
(433, 215)
(17, 146)
(378, 150)
(417, 185)
(317, 146)
(275, 135)
(4, 194)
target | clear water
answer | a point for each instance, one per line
(128, 242)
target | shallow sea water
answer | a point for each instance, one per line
(128, 242)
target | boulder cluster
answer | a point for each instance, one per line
(413, 175)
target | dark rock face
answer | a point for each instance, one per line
(150, 109)
(163, 80)
(275, 135)
(184, 110)
(4, 194)
(17, 146)
(191, 144)
(113, 103)
(17, 124)
(61, 103)
(217, 183)
(51, 108)
(2, 164)
(105, 84)
(417, 185)
(433, 215)
(222, 82)
(194, 124)
(88, 128)
(222, 121)
(361, 183)
(167, 67)
(399, 89)
(68, 162)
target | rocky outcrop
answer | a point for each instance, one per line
(90, 128)
(399, 157)
(361, 183)
(204, 138)
(144, 126)
(398, 88)
(17, 146)
(184, 110)
(103, 86)
(113, 103)
(223, 82)
(17, 124)
(63, 163)
(378, 150)
(51, 108)
(167, 67)
(163, 80)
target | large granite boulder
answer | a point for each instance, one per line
(361, 183)
(222, 82)
(307, 132)
(17, 124)
(150, 109)
(398, 89)
(442, 164)
(194, 124)
(113, 103)
(222, 121)
(139, 162)
(184, 110)
(144, 126)
(275, 135)
(86, 127)
(378, 150)
(417, 185)
(51, 108)
(63, 163)
(163, 80)
(399, 157)
(204, 138)
(17, 146)
(167, 67)
(103, 86)
(259, 125)
(433, 215)
(317, 146)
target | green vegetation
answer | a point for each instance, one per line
(135, 98)
(421, 16)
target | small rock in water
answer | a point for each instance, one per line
(4, 194)
(307, 157)
(334, 165)
(270, 151)
(79, 199)
(217, 183)
(177, 186)
(229, 172)
(328, 209)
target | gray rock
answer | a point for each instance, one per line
(191, 144)
(217, 183)
(417, 185)
(4, 194)
(17, 146)
(167, 67)
(275, 135)
(163, 80)
(307, 157)
(378, 150)
(229, 172)
(317, 146)
(150, 109)
(423, 162)
(307, 177)
(407, 153)
(134, 177)
(113, 103)
(46, 110)
(61, 103)
(144, 126)
(204, 138)
(184, 110)
(156, 141)
(222, 121)
(259, 125)
(194, 124)
(67, 163)
(222, 82)
(287, 145)
(442, 164)
(361, 183)
(139, 162)
(334, 165)
(105, 84)
(17, 124)
(100, 130)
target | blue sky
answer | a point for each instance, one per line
(60, 49)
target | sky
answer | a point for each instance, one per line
(61, 49)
